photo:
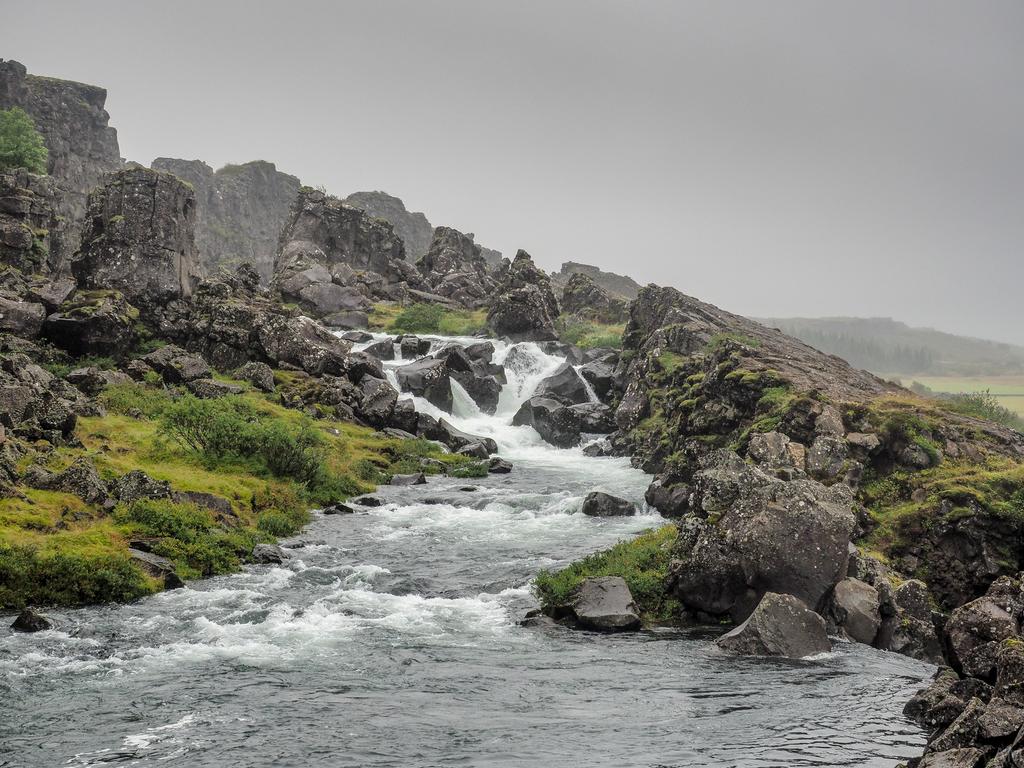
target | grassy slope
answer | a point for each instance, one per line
(55, 548)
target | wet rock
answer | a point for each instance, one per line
(564, 385)
(955, 758)
(267, 554)
(781, 625)
(382, 350)
(474, 450)
(963, 731)
(554, 422)
(480, 352)
(260, 375)
(377, 400)
(600, 504)
(499, 466)
(854, 608)
(605, 604)
(427, 378)
(21, 318)
(670, 499)
(416, 479)
(31, 621)
(338, 509)
(525, 308)
(595, 418)
(357, 337)
(210, 389)
(302, 343)
(368, 501)
(454, 268)
(601, 377)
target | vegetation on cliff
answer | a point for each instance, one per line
(429, 319)
(21, 145)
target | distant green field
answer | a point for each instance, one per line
(1009, 390)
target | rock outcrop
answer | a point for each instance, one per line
(82, 145)
(524, 309)
(605, 604)
(585, 298)
(28, 221)
(139, 240)
(335, 258)
(619, 286)
(454, 269)
(240, 211)
(412, 226)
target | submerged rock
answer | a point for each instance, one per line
(31, 621)
(268, 554)
(781, 625)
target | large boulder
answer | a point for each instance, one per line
(556, 423)
(93, 323)
(564, 385)
(302, 343)
(427, 378)
(975, 631)
(525, 308)
(601, 504)
(412, 226)
(751, 533)
(855, 610)
(781, 625)
(139, 239)
(29, 620)
(605, 604)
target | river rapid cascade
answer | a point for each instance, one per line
(390, 638)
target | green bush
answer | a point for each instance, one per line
(276, 523)
(985, 405)
(216, 428)
(298, 455)
(419, 318)
(28, 577)
(21, 145)
(127, 399)
(162, 517)
(642, 562)
(476, 469)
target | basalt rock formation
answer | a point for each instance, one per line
(82, 146)
(454, 269)
(139, 240)
(240, 211)
(585, 298)
(619, 286)
(413, 227)
(335, 258)
(524, 309)
(28, 220)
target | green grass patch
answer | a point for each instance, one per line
(642, 562)
(429, 319)
(587, 334)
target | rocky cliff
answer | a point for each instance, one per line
(82, 145)
(618, 285)
(240, 211)
(454, 269)
(413, 227)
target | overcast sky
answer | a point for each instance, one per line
(782, 158)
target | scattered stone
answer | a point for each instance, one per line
(854, 608)
(499, 466)
(268, 554)
(211, 389)
(260, 375)
(474, 451)
(338, 509)
(416, 479)
(156, 566)
(368, 501)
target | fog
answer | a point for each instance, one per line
(782, 159)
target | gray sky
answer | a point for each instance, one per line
(777, 159)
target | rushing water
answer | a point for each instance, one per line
(390, 639)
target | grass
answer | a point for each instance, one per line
(56, 549)
(642, 562)
(1007, 390)
(587, 334)
(428, 318)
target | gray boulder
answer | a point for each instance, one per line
(268, 554)
(564, 385)
(601, 504)
(260, 375)
(427, 378)
(525, 308)
(781, 625)
(554, 422)
(415, 479)
(605, 604)
(30, 620)
(855, 609)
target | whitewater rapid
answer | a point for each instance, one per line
(390, 638)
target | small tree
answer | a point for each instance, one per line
(21, 146)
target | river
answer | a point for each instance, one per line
(390, 638)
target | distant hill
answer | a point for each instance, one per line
(886, 346)
(619, 285)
